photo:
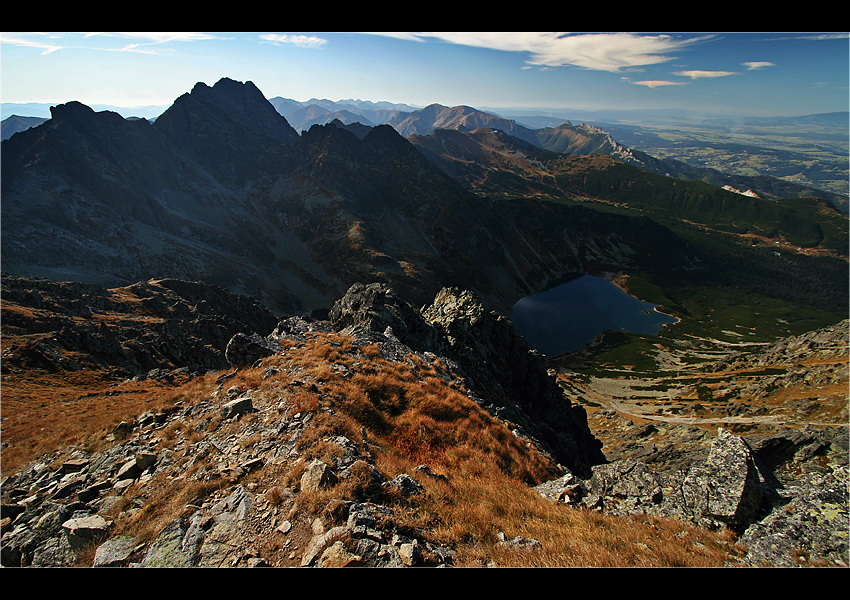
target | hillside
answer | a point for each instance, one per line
(332, 443)
(492, 163)
(15, 123)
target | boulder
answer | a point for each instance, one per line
(727, 488)
(405, 485)
(115, 552)
(625, 486)
(244, 350)
(240, 406)
(86, 530)
(336, 556)
(167, 550)
(318, 475)
(518, 542)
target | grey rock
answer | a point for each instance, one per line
(518, 542)
(626, 486)
(115, 552)
(320, 542)
(727, 488)
(243, 350)
(167, 551)
(54, 552)
(86, 530)
(376, 307)
(336, 556)
(405, 485)
(811, 521)
(318, 475)
(410, 553)
(239, 406)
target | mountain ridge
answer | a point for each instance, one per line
(282, 199)
(583, 138)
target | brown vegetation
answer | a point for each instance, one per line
(410, 412)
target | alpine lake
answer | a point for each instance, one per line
(568, 316)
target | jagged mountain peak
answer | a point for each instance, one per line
(226, 103)
(84, 115)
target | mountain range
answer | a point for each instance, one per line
(561, 135)
(221, 188)
(549, 133)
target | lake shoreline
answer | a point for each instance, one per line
(620, 280)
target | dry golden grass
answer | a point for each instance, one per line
(411, 416)
(483, 501)
(44, 411)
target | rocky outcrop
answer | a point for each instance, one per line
(152, 327)
(510, 379)
(730, 488)
(376, 307)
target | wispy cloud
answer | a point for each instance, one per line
(816, 37)
(612, 52)
(655, 83)
(145, 42)
(151, 42)
(704, 74)
(754, 65)
(304, 41)
(15, 39)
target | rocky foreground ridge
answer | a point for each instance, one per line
(258, 469)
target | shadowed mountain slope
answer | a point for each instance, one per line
(221, 189)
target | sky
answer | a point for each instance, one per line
(755, 73)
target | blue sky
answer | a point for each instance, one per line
(760, 73)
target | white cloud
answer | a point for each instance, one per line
(817, 37)
(143, 42)
(597, 51)
(161, 37)
(704, 74)
(46, 47)
(752, 66)
(304, 41)
(657, 83)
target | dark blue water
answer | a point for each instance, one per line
(568, 316)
